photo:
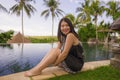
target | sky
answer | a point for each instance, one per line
(36, 25)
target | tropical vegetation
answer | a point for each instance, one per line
(87, 32)
(113, 10)
(19, 7)
(53, 9)
(86, 21)
(89, 12)
(43, 39)
(5, 36)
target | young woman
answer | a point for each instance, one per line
(68, 54)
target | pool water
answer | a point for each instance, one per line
(20, 57)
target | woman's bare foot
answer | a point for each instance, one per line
(31, 73)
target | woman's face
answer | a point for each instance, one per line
(65, 28)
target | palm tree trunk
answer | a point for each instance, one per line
(96, 30)
(22, 28)
(52, 28)
(52, 25)
(96, 27)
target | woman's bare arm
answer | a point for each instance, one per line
(69, 42)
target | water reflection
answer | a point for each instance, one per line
(96, 52)
(17, 67)
(21, 57)
(9, 46)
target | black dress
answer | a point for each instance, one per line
(74, 60)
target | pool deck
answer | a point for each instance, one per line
(54, 71)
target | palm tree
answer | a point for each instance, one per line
(113, 10)
(96, 10)
(19, 7)
(53, 9)
(3, 8)
(75, 20)
(84, 12)
(72, 18)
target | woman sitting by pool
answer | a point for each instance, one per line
(68, 54)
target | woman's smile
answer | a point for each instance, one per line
(65, 29)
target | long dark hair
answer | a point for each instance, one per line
(60, 35)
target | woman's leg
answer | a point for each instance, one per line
(49, 59)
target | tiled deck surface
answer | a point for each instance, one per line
(54, 71)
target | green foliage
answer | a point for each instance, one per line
(101, 36)
(103, 31)
(102, 73)
(117, 14)
(113, 10)
(87, 32)
(5, 36)
(40, 39)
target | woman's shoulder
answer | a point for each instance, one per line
(70, 35)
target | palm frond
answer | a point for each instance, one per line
(59, 11)
(15, 9)
(29, 9)
(45, 12)
(46, 15)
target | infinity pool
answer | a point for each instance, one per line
(20, 57)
